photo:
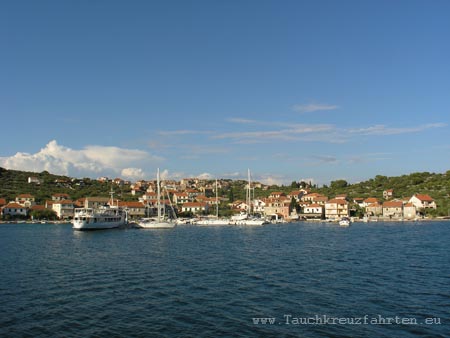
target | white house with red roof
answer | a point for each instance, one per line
(422, 201)
(64, 209)
(25, 200)
(60, 197)
(393, 209)
(14, 209)
(336, 208)
(409, 211)
(195, 207)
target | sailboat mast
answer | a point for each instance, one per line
(217, 201)
(159, 195)
(249, 196)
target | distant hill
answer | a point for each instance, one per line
(435, 185)
(15, 182)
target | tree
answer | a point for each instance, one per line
(338, 184)
(293, 205)
(43, 214)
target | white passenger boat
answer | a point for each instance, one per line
(104, 217)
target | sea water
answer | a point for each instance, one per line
(290, 280)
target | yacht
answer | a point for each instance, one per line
(160, 222)
(344, 222)
(246, 218)
(214, 221)
(104, 217)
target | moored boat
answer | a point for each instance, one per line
(103, 217)
(97, 219)
(344, 222)
(160, 222)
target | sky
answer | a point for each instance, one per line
(292, 90)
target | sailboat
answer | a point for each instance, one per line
(247, 218)
(160, 222)
(216, 220)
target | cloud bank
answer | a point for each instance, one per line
(313, 107)
(91, 161)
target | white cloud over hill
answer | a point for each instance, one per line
(90, 161)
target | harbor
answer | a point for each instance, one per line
(220, 281)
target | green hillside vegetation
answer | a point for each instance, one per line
(14, 182)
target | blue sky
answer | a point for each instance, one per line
(316, 90)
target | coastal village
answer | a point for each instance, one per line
(194, 198)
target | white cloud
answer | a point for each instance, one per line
(381, 129)
(133, 173)
(289, 134)
(205, 176)
(312, 107)
(91, 161)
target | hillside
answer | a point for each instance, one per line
(14, 182)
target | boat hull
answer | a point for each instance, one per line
(84, 226)
(212, 222)
(156, 225)
(103, 218)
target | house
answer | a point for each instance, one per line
(95, 202)
(321, 200)
(409, 211)
(180, 198)
(278, 207)
(14, 209)
(374, 209)
(296, 195)
(2, 202)
(60, 197)
(388, 194)
(37, 207)
(314, 210)
(64, 209)
(310, 197)
(240, 205)
(393, 209)
(34, 179)
(192, 193)
(359, 201)
(277, 194)
(118, 181)
(422, 201)
(259, 206)
(369, 201)
(134, 209)
(25, 200)
(341, 197)
(336, 209)
(195, 207)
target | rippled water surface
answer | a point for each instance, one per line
(212, 282)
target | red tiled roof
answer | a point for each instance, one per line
(337, 201)
(14, 205)
(424, 197)
(131, 204)
(25, 196)
(392, 204)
